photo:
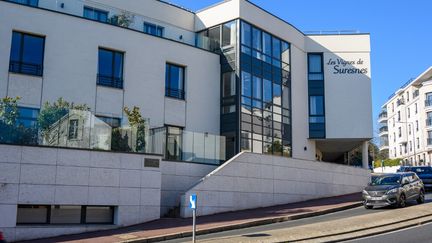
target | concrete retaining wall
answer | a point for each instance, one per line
(51, 176)
(254, 180)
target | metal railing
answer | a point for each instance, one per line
(382, 115)
(110, 81)
(25, 68)
(175, 93)
(331, 32)
(383, 129)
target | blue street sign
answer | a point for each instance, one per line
(192, 201)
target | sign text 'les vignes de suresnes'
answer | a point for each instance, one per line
(341, 66)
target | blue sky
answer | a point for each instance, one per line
(401, 36)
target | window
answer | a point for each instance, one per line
(174, 81)
(315, 67)
(416, 109)
(409, 129)
(64, 214)
(95, 14)
(257, 88)
(428, 101)
(114, 122)
(174, 143)
(409, 113)
(407, 95)
(73, 129)
(410, 146)
(229, 84)
(153, 29)
(33, 3)
(418, 143)
(28, 116)
(394, 122)
(316, 109)
(246, 84)
(110, 69)
(398, 116)
(316, 95)
(417, 126)
(229, 33)
(256, 39)
(27, 54)
(246, 32)
(400, 131)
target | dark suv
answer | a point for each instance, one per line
(424, 172)
(393, 189)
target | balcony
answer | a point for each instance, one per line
(382, 116)
(383, 130)
(428, 103)
(429, 123)
(429, 142)
(80, 129)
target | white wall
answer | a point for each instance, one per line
(177, 177)
(348, 98)
(252, 181)
(50, 176)
(71, 62)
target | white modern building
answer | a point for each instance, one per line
(238, 104)
(406, 122)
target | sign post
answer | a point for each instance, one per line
(192, 205)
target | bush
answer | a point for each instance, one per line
(388, 162)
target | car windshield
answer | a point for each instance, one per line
(385, 180)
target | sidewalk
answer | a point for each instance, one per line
(169, 228)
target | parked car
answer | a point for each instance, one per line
(424, 172)
(402, 169)
(2, 239)
(393, 190)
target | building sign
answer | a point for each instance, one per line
(342, 66)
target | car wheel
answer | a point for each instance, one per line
(421, 198)
(402, 201)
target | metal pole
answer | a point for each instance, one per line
(194, 225)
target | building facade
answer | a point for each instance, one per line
(207, 86)
(405, 122)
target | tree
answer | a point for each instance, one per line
(137, 121)
(124, 19)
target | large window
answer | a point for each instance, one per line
(33, 3)
(153, 29)
(27, 54)
(316, 96)
(95, 14)
(64, 214)
(228, 84)
(28, 116)
(174, 81)
(265, 92)
(110, 69)
(114, 122)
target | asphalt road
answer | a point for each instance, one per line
(420, 233)
(333, 216)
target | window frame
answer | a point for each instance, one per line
(156, 27)
(20, 62)
(169, 91)
(98, 11)
(113, 82)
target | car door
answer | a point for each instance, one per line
(407, 187)
(413, 182)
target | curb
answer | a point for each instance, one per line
(243, 225)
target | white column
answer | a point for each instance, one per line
(365, 155)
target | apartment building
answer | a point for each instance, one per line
(405, 122)
(229, 89)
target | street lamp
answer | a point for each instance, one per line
(413, 133)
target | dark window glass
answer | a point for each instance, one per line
(246, 84)
(33, 3)
(246, 34)
(256, 39)
(215, 38)
(153, 29)
(276, 48)
(174, 81)
(316, 104)
(229, 84)
(95, 14)
(174, 143)
(257, 87)
(267, 90)
(65, 214)
(32, 214)
(28, 116)
(99, 215)
(27, 52)
(267, 44)
(315, 67)
(110, 68)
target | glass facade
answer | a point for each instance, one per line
(265, 103)
(95, 14)
(316, 96)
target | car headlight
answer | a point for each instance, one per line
(365, 192)
(394, 190)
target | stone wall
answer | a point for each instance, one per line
(51, 176)
(254, 180)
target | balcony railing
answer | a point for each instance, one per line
(110, 81)
(25, 68)
(382, 115)
(81, 129)
(175, 93)
(383, 129)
